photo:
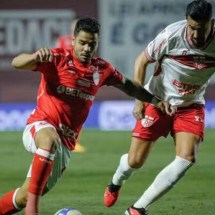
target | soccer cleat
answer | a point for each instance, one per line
(136, 211)
(111, 194)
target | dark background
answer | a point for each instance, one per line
(19, 86)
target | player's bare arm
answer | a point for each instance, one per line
(139, 77)
(28, 61)
(140, 66)
(136, 90)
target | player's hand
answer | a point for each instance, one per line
(139, 110)
(43, 55)
(167, 108)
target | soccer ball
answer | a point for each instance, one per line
(68, 211)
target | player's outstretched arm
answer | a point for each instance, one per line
(28, 61)
(135, 90)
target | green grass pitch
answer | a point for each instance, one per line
(84, 181)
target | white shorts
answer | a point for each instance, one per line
(62, 154)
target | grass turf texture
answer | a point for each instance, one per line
(84, 181)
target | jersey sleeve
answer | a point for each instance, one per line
(158, 47)
(114, 77)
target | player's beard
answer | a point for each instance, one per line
(80, 57)
(198, 43)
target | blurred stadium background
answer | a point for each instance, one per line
(127, 26)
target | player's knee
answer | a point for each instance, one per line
(191, 158)
(135, 162)
(21, 198)
(188, 157)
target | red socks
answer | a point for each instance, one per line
(6, 204)
(41, 170)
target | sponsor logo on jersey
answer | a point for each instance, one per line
(83, 82)
(147, 121)
(61, 89)
(185, 89)
(66, 131)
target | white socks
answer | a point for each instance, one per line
(164, 181)
(123, 171)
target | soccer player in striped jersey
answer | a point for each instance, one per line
(184, 54)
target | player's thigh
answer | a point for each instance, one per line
(47, 138)
(188, 130)
(32, 130)
(187, 145)
(138, 152)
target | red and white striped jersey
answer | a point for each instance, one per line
(182, 72)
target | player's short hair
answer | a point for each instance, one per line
(199, 10)
(87, 24)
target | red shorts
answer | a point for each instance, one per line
(189, 119)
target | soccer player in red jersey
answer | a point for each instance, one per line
(70, 79)
(185, 61)
(66, 42)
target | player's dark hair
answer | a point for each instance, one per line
(87, 24)
(199, 10)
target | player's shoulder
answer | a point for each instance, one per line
(171, 31)
(176, 27)
(101, 63)
(61, 52)
(175, 31)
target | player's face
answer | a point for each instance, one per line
(199, 31)
(85, 46)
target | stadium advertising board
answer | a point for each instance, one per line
(129, 25)
(29, 30)
(108, 115)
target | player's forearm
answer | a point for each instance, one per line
(137, 91)
(25, 61)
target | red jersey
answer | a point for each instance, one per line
(64, 42)
(67, 91)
